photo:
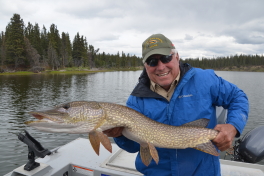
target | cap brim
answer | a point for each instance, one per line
(162, 51)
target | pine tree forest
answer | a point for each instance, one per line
(30, 47)
(229, 62)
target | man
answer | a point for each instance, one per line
(174, 93)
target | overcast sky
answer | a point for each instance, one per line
(198, 28)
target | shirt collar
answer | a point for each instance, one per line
(154, 86)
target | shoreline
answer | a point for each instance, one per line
(96, 70)
(71, 71)
(259, 68)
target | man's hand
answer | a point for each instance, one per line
(114, 132)
(225, 137)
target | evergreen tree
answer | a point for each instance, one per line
(69, 49)
(118, 60)
(53, 57)
(77, 51)
(15, 41)
(65, 52)
(25, 46)
(2, 49)
(33, 43)
(29, 31)
(36, 43)
(44, 43)
(85, 53)
(54, 38)
(32, 54)
(92, 54)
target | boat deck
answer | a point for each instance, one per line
(77, 158)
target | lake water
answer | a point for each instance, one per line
(21, 94)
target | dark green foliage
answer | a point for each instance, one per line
(27, 46)
(78, 50)
(32, 33)
(220, 63)
(54, 37)
(2, 49)
(32, 54)
(44, 44)
(92, 54)
(15, 47)
(53, 59)
(66, 50)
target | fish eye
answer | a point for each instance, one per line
(66, 106)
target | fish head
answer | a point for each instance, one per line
(73, 117)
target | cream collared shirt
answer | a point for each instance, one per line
(159, 90)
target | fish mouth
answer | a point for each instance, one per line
(37, 115)
(51, 117)
(52, 121)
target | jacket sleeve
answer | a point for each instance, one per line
(230, 97)
(122, 141)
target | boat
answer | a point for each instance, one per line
(77, 158)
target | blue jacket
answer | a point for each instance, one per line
(196, 96)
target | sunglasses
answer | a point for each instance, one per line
(152, 61)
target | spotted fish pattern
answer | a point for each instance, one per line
(94, 117)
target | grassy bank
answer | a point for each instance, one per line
(95, 70)
(72, 71)
(245, 69)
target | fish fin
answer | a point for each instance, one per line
(99, 124)
(207, 147)
(198, 123)
(153, 152)
(95, 141)
(105, 141)
(230, 151)
(145, 155)
(96, 135)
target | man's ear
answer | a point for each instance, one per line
(177, 56)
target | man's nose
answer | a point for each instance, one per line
(160, 65)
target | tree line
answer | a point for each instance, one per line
(27, 46)
(228, 62)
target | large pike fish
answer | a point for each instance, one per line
(95, 117)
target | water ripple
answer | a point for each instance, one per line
(21, 94)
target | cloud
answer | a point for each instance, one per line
(248, 33)
(188, 37)
(197, 28)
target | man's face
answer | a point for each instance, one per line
(164, 74)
